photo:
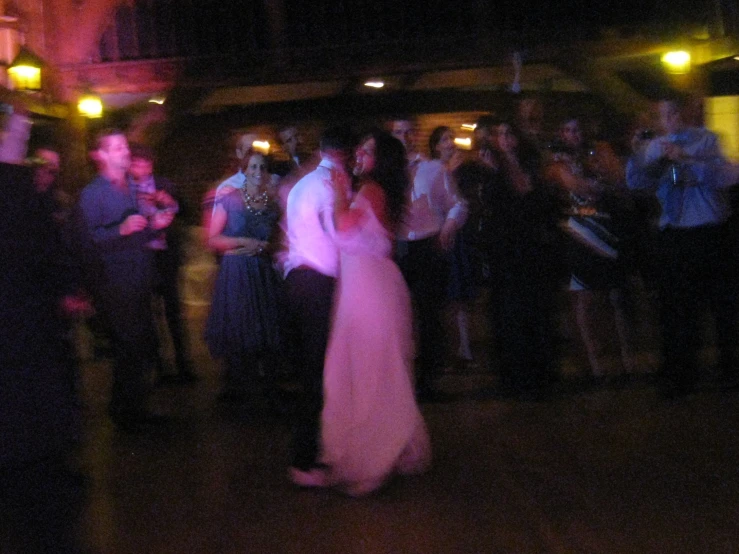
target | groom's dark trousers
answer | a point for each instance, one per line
(309, 300)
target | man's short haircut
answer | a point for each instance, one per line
(680, 100)
(338, 137)
(402, 117)
(103, 134)
(141, 152)
(284, 129)
(243, 144)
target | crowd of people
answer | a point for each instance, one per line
(336, 272)
(522, 216)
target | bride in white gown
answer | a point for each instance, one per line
(371, 427)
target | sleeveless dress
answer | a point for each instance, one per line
(244, 312)
(371, 426)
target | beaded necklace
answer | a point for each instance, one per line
(250, 200)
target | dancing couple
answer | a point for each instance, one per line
(358, 423)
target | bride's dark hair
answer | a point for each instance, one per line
(390, 172)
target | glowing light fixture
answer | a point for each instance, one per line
(157, 100)
(374, 84)
(465, 143)
(469, 126)
(90, 105)
(677, 62)
(25, 71)
(736, 58)
(262, 146)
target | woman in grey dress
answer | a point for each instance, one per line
(243, 324)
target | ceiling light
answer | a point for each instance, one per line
(261, 146)
(469, 126)
(374, 84)
(677, 62)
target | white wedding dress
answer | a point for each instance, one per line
(371, 426)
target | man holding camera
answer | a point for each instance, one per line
(688, 174)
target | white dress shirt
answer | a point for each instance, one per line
(433, 200)
(310, 222)
(236, 181)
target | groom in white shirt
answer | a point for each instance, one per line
(311, 266)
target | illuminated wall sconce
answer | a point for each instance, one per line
(157, 100)
(90, 106)
(676, 62)
(469, 126)
(261, 146)
(464, 143)
(25, 71)
(374, 84)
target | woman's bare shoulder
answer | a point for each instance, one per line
(372, 191)
(375, 195)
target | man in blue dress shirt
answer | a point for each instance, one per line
(687, 172)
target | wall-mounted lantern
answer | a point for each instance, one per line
(25, 71)
(90, 105)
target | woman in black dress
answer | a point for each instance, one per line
(524, 251)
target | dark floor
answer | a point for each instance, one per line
(592, 470)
